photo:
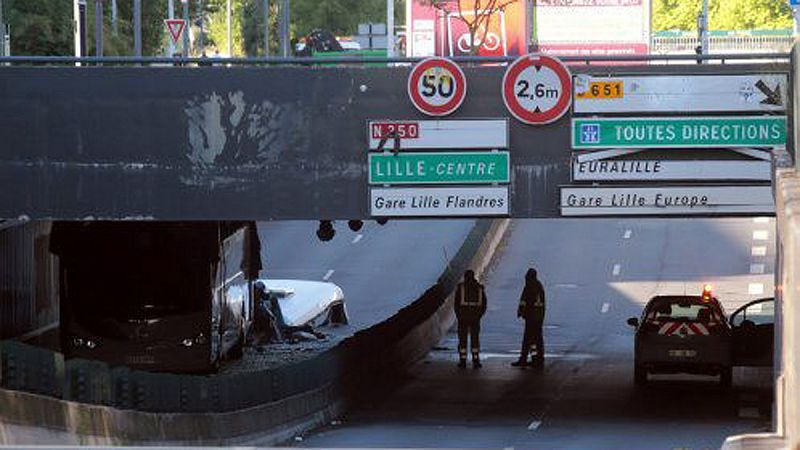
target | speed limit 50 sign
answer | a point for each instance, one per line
(437, 86)
(537, 89)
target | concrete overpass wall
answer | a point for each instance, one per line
(248, 143)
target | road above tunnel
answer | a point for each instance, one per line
(597, 273)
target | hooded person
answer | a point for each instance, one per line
(531, 308)
(469, 305)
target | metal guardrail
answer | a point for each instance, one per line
(304, 61)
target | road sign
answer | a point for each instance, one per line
(432, 202)
(437, 86)
(438, 168)
(175, 28)
(537, 89)
(679, 132)
(694, 93)
(660, 170)
(434, 134)
(666, 200)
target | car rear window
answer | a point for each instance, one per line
(666, 310)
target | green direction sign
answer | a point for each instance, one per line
(695, 132)
(438, 168)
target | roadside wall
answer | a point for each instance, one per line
(44, 399)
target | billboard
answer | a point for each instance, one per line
(592, 27)
(443, 30)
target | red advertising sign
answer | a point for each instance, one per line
(403, 130)
(437, 86)
(443, 30)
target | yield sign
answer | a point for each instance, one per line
(175, 27)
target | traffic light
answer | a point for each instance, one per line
(325, 232)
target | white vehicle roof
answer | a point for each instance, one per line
(302, 301)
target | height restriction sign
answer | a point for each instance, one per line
(437, 86)
(537, 89)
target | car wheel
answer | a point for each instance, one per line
(726, 377)
(639, 375)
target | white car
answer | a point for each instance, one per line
(304, 302)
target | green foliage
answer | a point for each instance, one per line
(723, 14)
(40, 27)
(45, 27)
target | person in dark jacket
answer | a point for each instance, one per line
(470, 305)
(531, 308)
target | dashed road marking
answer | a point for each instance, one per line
(328, 275)
(758, 250)
(760, 219)
(605, 308)
(757, 268)
(760, 235)
(616, 270)
(358, 238)
(627, 234)
(755, 288)
(534, 425)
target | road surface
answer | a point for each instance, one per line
(380, 268)
(597, 274)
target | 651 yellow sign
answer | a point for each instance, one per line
(603, 89)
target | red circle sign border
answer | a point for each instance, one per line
(417, 100)
(552, 114)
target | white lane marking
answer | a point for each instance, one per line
(534, 425)
(328, 274)
(565, 286)
(627, 234)
(755, 288)
(760, 219)
(757, 269)
(617, 268)
(758, 250)
(358, 238)
(760, 235)
(605, 307)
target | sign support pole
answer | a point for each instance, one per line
(2, 32)
(137, 28)
(79, 8)
(229, 10)
(171, 15)
(98, 27)
(186, 29)
(390, 28)
(266, 27)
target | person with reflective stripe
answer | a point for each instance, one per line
(469, 305)
(531, 308)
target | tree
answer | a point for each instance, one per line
(45, 28)
(723, 14)
(481, 14)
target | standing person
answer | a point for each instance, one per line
(470, 305)
(531, 308)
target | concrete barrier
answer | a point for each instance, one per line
(320, 388)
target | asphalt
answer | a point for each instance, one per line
(597, 274)
(380, 268)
